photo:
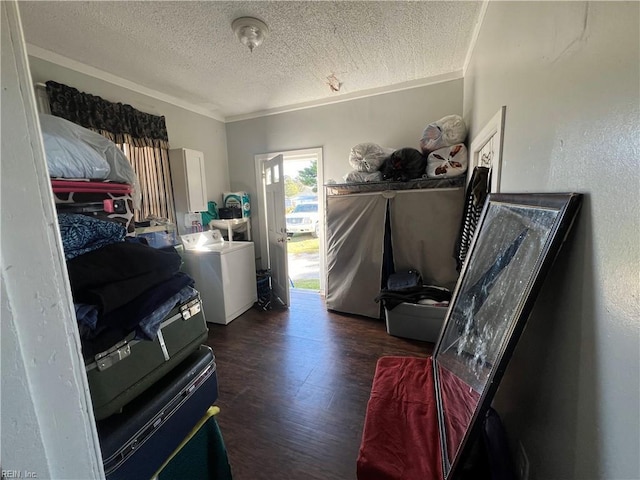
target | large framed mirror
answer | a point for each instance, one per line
(518, 237)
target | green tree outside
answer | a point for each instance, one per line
(292, 187)
(309, 176)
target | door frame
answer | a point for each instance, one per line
(486, 149)
(262, 225)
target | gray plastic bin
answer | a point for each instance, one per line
(415, 321)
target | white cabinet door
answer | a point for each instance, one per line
(196, 184)
(189, 182)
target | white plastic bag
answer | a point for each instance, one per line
(447, 131)
(368, 157)
(448, 162)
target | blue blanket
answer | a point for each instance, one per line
(82, 234)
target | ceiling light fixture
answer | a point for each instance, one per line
(250, 31)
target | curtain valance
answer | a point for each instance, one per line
(117, 119)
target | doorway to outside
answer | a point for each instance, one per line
(303, 221)
(303, 208)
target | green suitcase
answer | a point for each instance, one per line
(121, 373)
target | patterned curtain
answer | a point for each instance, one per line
(151, 164)
(141, 136)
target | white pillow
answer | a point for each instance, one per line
(448, 162)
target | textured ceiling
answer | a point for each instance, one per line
(187, 50)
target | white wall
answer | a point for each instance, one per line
(393, 120)
(48, 429)
(569, 76)
(185, 128)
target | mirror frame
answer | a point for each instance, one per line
(567, 206)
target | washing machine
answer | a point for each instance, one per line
(224, 274)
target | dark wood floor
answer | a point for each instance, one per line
(294, 385)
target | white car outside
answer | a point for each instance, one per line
(304, 219)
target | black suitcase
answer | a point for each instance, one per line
(121, 373)
(138, 441)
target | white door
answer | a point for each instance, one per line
(273, 182)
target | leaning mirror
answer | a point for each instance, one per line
(518, 237)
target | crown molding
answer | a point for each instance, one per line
(475, 35)
(74, 65)
(372, 92)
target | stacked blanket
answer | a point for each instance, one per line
(84, 234)
(119, 284)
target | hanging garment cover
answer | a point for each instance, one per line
(355, 236)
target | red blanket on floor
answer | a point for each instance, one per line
(400, 440)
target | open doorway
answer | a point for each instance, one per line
(303, 222)
(303, 208)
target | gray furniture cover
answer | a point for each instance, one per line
(355, 235)
(424, 227)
